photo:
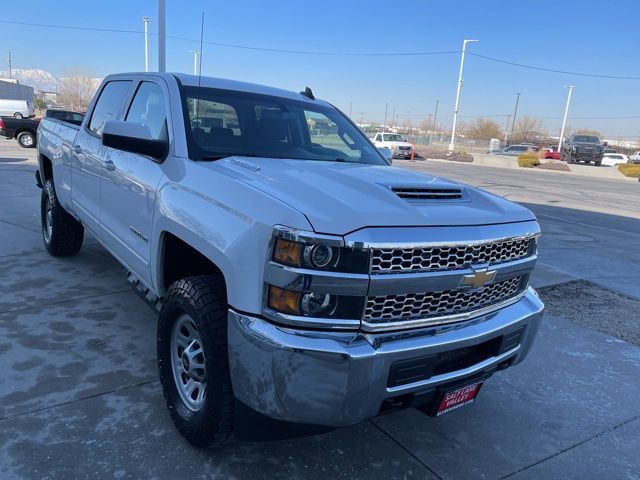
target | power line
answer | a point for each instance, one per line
(326, 53)
(544, 69)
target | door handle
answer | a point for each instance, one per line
(77, 149)
(108, 164)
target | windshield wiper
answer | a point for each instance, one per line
(215, 157)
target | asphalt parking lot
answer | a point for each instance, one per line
(79, 395)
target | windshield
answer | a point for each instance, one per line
(586, 139)
(222, 123)
(394, 137)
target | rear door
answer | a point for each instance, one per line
(129, 185)
(89, 155)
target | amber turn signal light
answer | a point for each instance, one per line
(287, 252)
(284, 301)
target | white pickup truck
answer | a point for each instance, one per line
(299, 278)
(395, 142)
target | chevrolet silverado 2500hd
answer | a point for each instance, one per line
(298, 276)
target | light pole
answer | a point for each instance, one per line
(195, 60)
(566, 113)
(384, 125)
(506, 130)
(162, 35)
(515, 112)
(455, 111)
(350, 105)
(145, 20)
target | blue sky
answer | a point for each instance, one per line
(582, 36)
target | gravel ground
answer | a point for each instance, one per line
(595, 307)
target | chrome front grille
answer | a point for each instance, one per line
(435, 305)
(426, 259)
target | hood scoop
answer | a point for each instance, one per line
(417, 194)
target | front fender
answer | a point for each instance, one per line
(228, 222)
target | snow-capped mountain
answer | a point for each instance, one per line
(40, 80)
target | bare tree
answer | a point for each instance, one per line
(484, 129)
(76, 89)
(528, 129)
(588, 131)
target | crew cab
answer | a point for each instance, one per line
(299, 277)
(582, 148)
(395, 142)
(22, 129)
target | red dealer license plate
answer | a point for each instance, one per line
(457, 398)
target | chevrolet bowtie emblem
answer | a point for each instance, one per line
(479, 278)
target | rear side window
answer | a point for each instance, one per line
(148, 108)
(109, 104)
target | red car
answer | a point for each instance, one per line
(552, 153)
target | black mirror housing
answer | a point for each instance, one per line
(134, 138)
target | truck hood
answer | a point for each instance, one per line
(397, 144)
(339, 198)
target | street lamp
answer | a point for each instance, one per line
(145, 20)
(566, 113)
(455, 111)
(195, 60)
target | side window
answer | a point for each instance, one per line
(148, 108)
(378, 138)
(109, 104)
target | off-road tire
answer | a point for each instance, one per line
(66, 235)
(23, 140)
(203, 298)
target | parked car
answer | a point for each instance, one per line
(300, 277)
(65, 116)
(635, 158)
(551, 154)
(582, 148)
(22, 129)
(16, 108)
(515, 150)
(613, 159)
(395, 142)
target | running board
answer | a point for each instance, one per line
(143, 292)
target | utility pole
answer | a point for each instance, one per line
(452, 145)
(162, 35)
(435, 116)
(10, 73)
(566, 113)
(145, 20)
(384, 125)
(393, 117)
(515, 112)
(506, 130)
(195, 60)
(361, 113)
(350, 105)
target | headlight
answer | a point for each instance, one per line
(314, 304)
(315, 254)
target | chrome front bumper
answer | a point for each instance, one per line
(341, 378)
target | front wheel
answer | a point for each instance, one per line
(26, 140)
(193, 360)
(18, 115)
(62, 234)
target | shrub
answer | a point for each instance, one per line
(630, 169)
(528, 160)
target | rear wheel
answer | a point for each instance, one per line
(62, 234)
(193, 360)
(26, 140)
(18, 115)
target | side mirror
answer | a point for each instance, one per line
(386, 153)
(606, 144)
(135, 138)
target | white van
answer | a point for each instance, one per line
(16, 108)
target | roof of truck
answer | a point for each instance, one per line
(226, 84)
